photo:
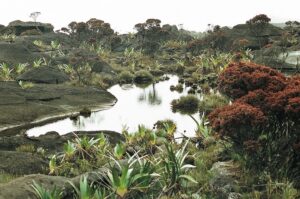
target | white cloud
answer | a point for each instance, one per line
(124, 14)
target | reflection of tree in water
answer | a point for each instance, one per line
(79, 123)
(151, 97)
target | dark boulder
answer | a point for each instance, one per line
(45, 74)
(18, 27)
(101, 66)
(20, 163)
(16, 52)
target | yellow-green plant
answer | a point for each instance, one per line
(29, 148)
(43, 193)
(8, 37)
(88, 191)
(86, 147)
(21, 67)
(119, 150)
(53, 165)
(40, 62)
(134, 175)
(25, 85)
(5, 72)
(40, 44)
(69, 150)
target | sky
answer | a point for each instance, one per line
(124, 14)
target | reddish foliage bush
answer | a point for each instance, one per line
(255, 98)
(235, 120)
(284, 104)
(292, 108)
(240, 78)
(266, 112)
(294, 82)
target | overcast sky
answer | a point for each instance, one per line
(124, 14)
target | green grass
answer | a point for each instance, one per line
(6, 177)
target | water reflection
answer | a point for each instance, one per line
(151, 97)
(136, 105)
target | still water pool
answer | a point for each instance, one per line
(135, 106)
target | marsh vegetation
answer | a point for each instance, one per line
(195, 117)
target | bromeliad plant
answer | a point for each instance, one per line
(86, 147)
(136, 175)
(174, 169)
(69, 150)
(43, 193)
(5, 72)
(82, 153)
(119, 150)
(88, 191)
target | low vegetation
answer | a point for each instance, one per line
(246, 141)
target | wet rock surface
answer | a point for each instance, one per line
(23, 106)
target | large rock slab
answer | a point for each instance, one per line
(18, 27)
(17, 52)
(47, 101)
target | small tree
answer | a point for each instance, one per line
(34, 15)
(257, 25)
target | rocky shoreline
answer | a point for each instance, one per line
(25, 108)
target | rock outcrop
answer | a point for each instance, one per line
(22, 106)
(18, 27)
(45, 74)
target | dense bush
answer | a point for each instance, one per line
(263, 121)
(240, 78)
(142, 77)
(186, 104)
(125, 77)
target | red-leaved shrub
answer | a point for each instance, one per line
(235, 120)
(263, 122)
(241, 77)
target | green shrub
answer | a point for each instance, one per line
(142, 77)
(157, 72)
(186, 104)
(125, 77)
